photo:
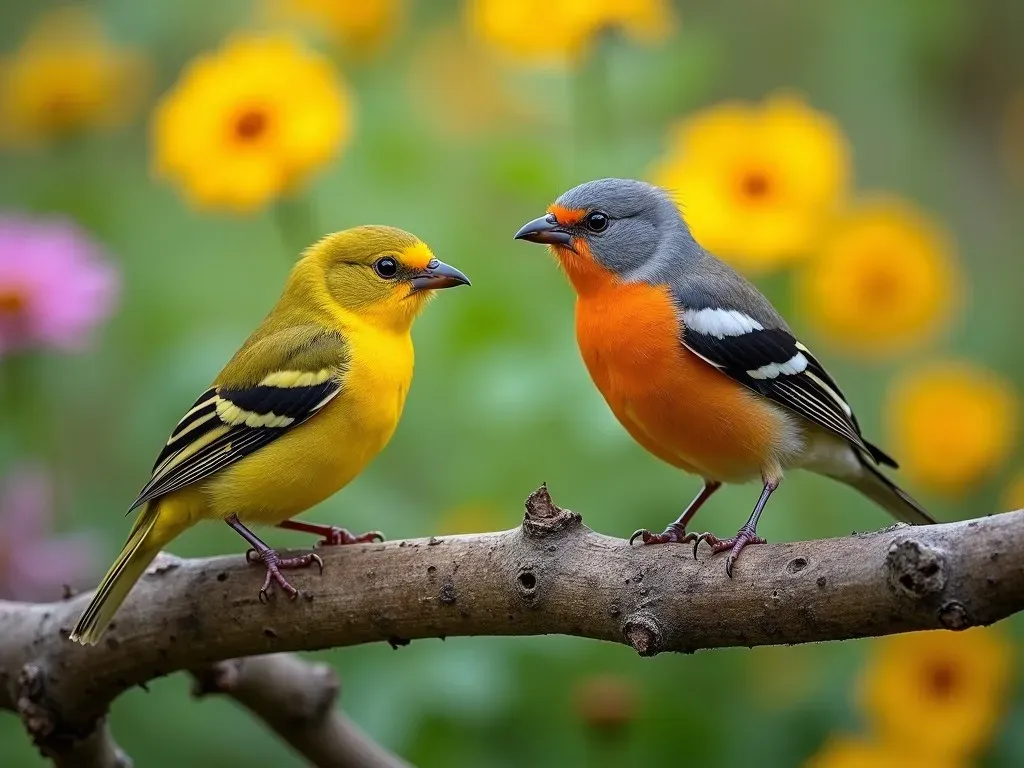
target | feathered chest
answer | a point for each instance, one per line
(627, 335)
(377, 382)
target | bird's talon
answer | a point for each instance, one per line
(282, 582)
(734, 546)
(252, 556)
(275, 564)
(674, 534)
(341, 536)
(696, 542)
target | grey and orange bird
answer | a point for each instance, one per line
(695, 362)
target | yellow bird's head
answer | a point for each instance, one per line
(374, 272)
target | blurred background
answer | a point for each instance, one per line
(163, 164)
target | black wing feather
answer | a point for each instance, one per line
(812, 393)
(203, 443)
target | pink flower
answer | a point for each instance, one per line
(34, 566)
(55, 284)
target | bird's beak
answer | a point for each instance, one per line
(544, 230)
(438, 275)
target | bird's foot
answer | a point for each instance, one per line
(335, 537)
(746, 535)
(275, 564)
(674, 534)
(331, 535)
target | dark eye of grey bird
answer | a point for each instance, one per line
(596, 222)
(386, 267)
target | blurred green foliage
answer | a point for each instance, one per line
(501, 400)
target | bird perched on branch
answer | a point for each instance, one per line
(310, 398)
(695, 362)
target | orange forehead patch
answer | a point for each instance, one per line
(567, 216)
(417, 256)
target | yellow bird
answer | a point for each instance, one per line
(312, 396)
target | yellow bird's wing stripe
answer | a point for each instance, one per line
(227, 424)
(252, 403)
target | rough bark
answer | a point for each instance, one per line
(552, 575)
(297, 701)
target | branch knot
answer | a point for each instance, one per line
(543, 517)
(35, 715)
(953, 615)
(643, 634)
(915, 570)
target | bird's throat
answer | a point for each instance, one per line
(585, 274)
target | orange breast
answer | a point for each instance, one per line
(674, 404)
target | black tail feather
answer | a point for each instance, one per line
(881, 456)
(884, 492)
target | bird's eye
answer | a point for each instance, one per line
(386, 267)
(596, 222)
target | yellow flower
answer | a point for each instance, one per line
(1013, 497)
(938, 693)
(361, 26)
(884, 279)
(952, 424)
(66, 77)
(459, 88)
(848, 752)
(757, 182)
(561, 30)
(249, 122)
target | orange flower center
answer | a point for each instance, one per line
(251, 124)
(879, 287)
(942, 680)
(12, 302)
(755, 186)
(59, 104)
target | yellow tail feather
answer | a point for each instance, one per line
(137, 554)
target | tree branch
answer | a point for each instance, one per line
(296, 700)
(550, 576)
(97, 750)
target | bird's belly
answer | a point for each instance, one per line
(674, 404)
(315, 460)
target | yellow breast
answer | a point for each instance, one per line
(316, 459)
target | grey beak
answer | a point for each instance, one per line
(544, 230)
(438, 275)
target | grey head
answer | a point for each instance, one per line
(635, 230)
(624, 222)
